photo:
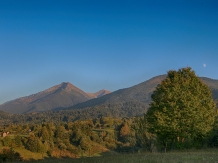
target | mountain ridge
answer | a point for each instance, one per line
(139, 93)
(126, 94)
(66, 96)
(58, 96)
(98, 94)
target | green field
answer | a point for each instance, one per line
(202, 156)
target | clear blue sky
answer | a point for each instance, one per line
(110, 44)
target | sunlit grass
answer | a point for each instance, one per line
(28, 155)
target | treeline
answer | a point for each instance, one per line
(128, 109)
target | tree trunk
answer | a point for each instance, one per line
(165, 149)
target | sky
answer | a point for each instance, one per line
(103, 44)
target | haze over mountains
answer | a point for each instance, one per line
(65, 96)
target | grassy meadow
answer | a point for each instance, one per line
(197, 156)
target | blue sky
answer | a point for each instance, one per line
(108, 44)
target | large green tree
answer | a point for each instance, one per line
(182, 107)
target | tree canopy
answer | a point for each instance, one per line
(182, 107)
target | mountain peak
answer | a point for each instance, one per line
(66, 85)
(99, 93)
(58, 96)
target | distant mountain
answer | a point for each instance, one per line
(99, 93)
(131, 101)
(128, 102)
(213, 85)
(54, 98)
(140, 93)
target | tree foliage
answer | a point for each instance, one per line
(9, 155)
(144, 138)
(182, 107)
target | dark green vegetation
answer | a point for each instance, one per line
(128, 109)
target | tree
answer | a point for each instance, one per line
(85, 143)
(35, 145)
(7, 141)
(44, 133)
(32, 143)
(9, 155)
(125, 130)
(124, 133)
(18, 141)
(182, 107)
(60, 132)
(144, 138)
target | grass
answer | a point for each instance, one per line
(28, 155)
(201, 156)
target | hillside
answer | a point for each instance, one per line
(213, 85)
(140, 93)
(54, 98)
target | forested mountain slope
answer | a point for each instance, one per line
(138, 93)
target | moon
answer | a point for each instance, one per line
(204, 65)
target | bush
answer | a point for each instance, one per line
(10, 155)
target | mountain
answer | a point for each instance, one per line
(99, 93)
(131, 101)
(54, 98)
(128, 102)
(140, 93)
(213, 85)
